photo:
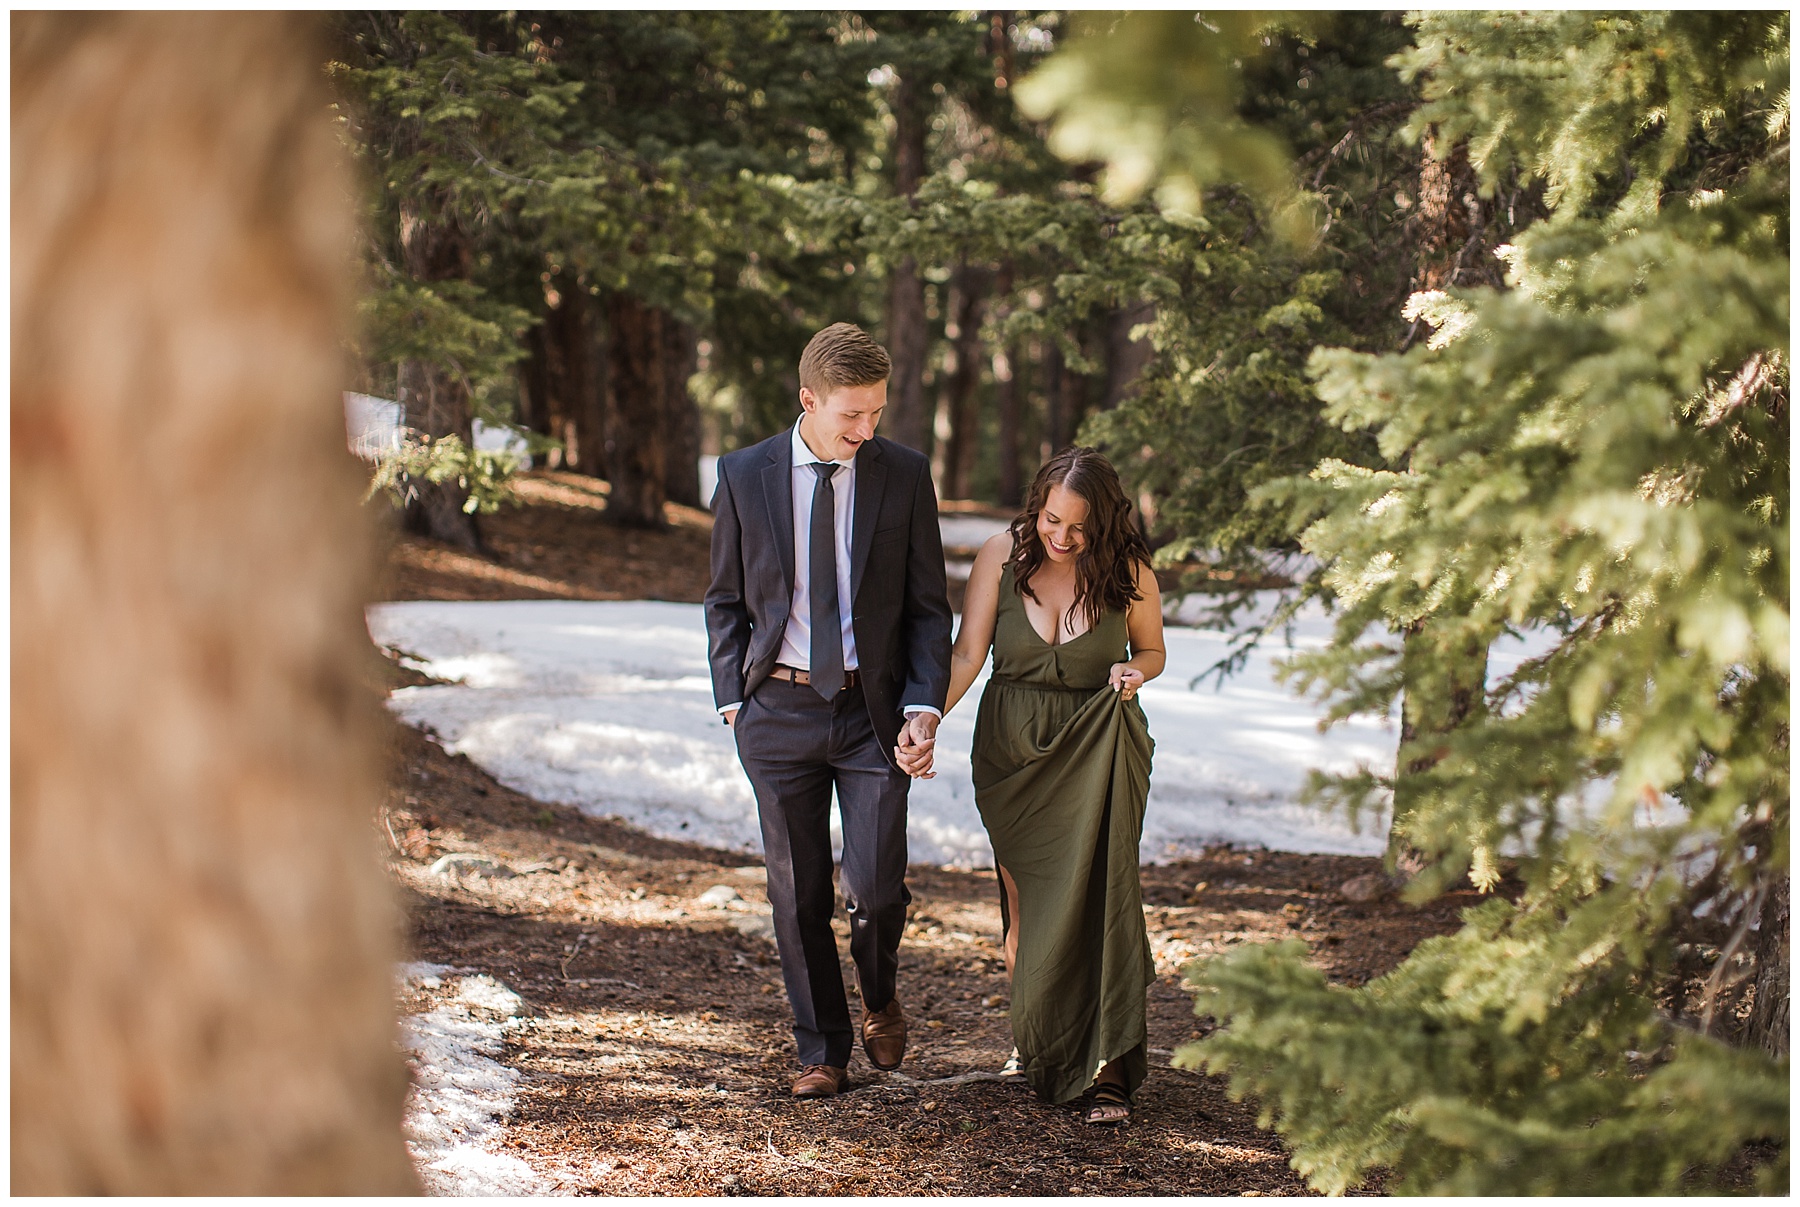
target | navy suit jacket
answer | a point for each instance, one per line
(900, 610)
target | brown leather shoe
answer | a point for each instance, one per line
(884, 1035)
(820, 1081)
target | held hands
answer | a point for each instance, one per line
(918, 737)
(1125, 679)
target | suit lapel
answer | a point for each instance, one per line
(778, 494)
(871, 481)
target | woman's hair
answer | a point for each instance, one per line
(1106, 567)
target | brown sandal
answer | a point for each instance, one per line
(1108, 1096)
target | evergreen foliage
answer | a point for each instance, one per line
(1595, 452)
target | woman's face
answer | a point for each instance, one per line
(1062, 524)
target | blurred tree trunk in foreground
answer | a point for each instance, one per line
(202, 938)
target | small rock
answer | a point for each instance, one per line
(463, 862)
(719, 896)
(636, 894)
(755, 926)
(935, 1024)
(994, 1001)
(673, 1122)
(1363, 889)
(928, 1106)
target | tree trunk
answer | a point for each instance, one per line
(1006, 405)
(1126, 358)
(1449, 227)
(680, 356)
(1769, 1014)
(534, 390)
(1056, 403)
(962, 374)
(906, 330)
(637, 435)
(434, 398)
(435, 509)
(572, 370)
(203, 938)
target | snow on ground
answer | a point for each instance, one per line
(460, 1096)
(608, 706)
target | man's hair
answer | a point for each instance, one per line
(842, 355)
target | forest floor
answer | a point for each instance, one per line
(655, 1045)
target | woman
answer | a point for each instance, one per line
(1061, 770)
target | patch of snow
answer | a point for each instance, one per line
(501, 438)
(373, 425)
(969, 531)
(460, 1095)
(608, 706)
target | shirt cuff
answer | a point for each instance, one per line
(910, 709)
(725, 708)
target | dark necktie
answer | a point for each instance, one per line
(827, 628)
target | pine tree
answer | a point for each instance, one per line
(1595, 453)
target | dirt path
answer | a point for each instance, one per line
(655, 1045)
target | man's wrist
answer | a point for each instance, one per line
(910, 709)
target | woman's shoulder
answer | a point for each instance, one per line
(995, 552)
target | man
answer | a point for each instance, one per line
(830, 643)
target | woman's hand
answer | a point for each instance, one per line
(916, 758)
(1125, 679)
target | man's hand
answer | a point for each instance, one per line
(923, 726)
(731, 718)
(918, 737)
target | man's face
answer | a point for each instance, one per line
(835, 426)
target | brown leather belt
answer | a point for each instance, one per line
(788, 674)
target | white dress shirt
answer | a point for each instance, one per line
(796, 642)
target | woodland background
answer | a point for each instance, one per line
(1464, 323)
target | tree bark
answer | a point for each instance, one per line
(1006, 404)
(637, 436)
(1126, 358)
(203, 938)
(534, 387)
(1056, 402)
(435, 509)
(435, 399)
(1769, 1014)
(907, 421)
(962, 374)
(1448, 231)
(572, 371)
(680, 356)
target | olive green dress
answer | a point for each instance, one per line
(1061, 771)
